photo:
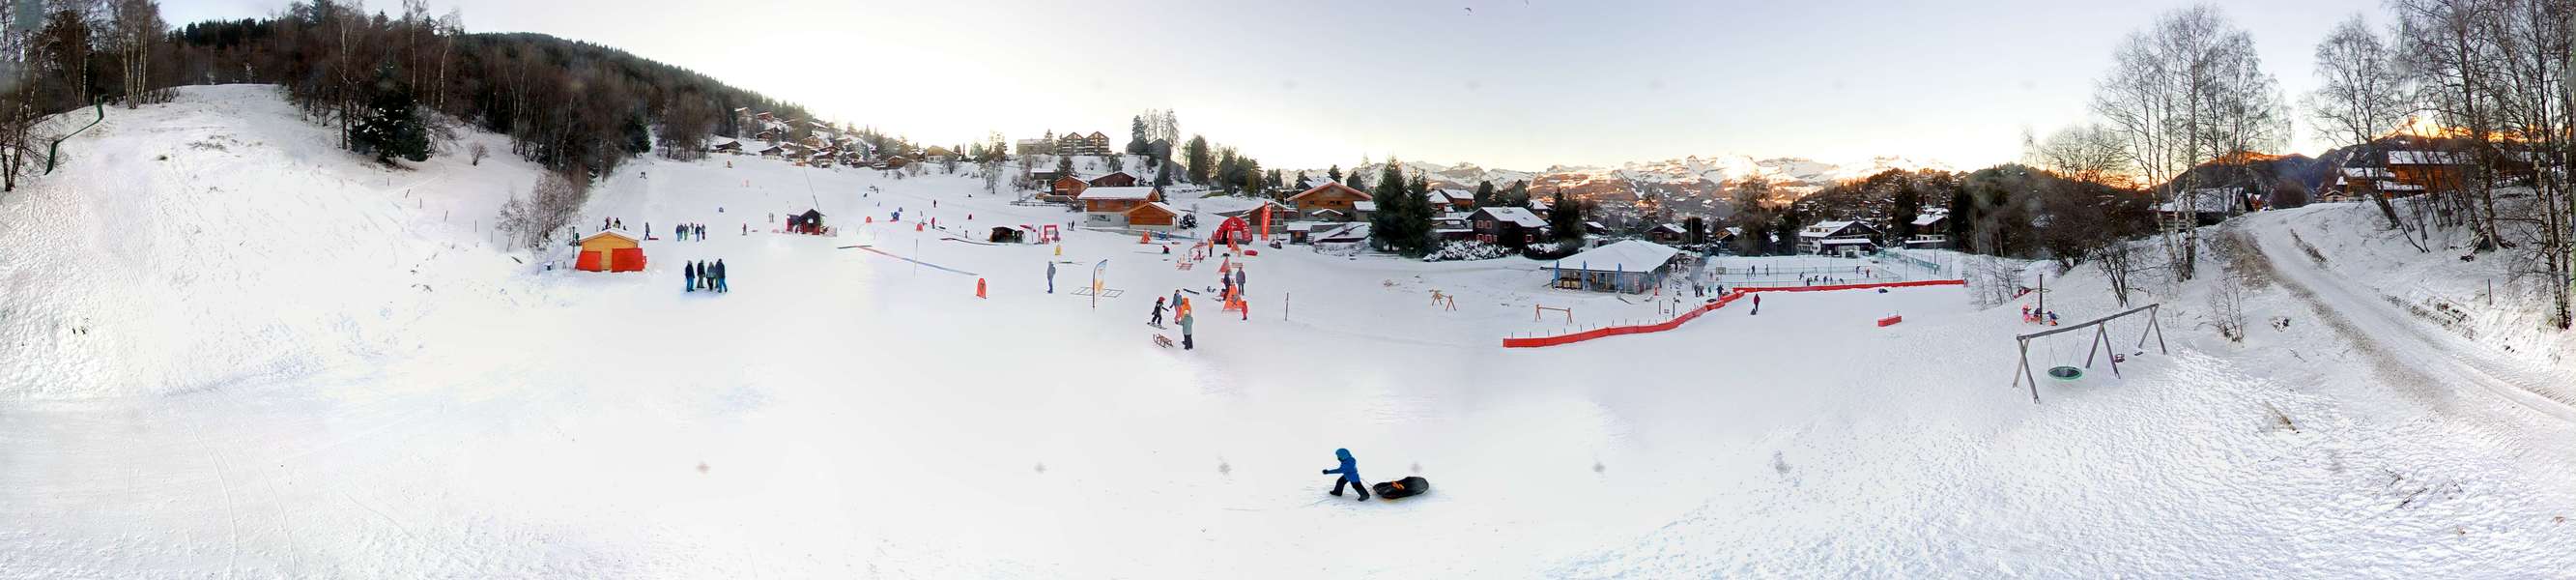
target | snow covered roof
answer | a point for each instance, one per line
(1832, 229)
(1538, 205)
(1929, 219)
(1364, 206)
(1625, 255)
(1140, 192)
(1851, 242)
(1330, 185)
(1669, 228)
(2396, 186)
(2368, 172)
(1450, 195)
(1160, 206)
(1516, 215)
(630, 236)
(2425, 158)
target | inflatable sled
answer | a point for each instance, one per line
(1407, 487)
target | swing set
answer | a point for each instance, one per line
(2101, 345)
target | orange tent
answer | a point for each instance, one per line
(610, 251)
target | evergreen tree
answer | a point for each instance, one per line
(1163, 175)
(1334, 174)
(1137, 142)
(639, 137)
(1565, 218)
(1908, 203)
(1518, 195)
(1197, 156)
(1063, 165)
(1963, 217)
(1791, 220)
(1694, 230)
(391, 126)
(1402, 223)
(1485, 194)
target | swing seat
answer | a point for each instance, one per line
(2065, 373)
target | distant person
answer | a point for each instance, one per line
(1157, 322)
(1238, 281)
(1050, 277)
(690, 271)
(720, 277)
(1757, 305)
(1350, 474)
(1183, 315)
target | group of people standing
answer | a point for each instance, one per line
(707, 275)
(1181, 314)
(688, 231)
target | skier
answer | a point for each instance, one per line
(1050, 277)
(1350, 471)
(690, 271)
(1158, 313)
(1182, 315)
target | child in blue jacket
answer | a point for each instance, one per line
(1350, 471)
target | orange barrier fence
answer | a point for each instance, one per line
(1687, 316)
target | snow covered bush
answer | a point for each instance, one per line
(1550, 250)
(1469, 250)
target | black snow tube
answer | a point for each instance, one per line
(1407, 487)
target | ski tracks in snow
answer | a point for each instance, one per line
(2376, 326)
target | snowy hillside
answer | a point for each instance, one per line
(235, 351)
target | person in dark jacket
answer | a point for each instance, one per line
(1158, 313)
(720, 277)
(691, 272)
(1350, 471)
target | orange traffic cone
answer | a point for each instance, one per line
(979, 287)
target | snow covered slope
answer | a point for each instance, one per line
(220, 239)
(361, 389)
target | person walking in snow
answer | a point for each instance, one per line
(720, 277)
(1238, 281)
(1757, 304)
(1050, 277)
(1183, 315)
(1350, 474)
(1157, 322)
(690, 271)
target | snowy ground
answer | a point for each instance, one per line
(265, 359)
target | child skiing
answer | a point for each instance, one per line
(1158, 313)
(1350, 475)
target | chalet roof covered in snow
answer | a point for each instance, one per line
(1140, 193)
(1330, 186)
(2368, 172)
(1364, 206)
(2426, 158)
(612, 232)
(1343, 232)
(1929, 219)
(1836, 229)
(1450, 195)
(1621, 256)
(1670, 228)
(1516, 215)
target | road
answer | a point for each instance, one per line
(2436, 356)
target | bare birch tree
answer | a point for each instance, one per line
(2360, 96)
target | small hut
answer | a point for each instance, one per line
(610, 251)
(810, 222)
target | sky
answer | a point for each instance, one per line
(1520, 84)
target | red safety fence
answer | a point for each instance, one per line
(1721, 302)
